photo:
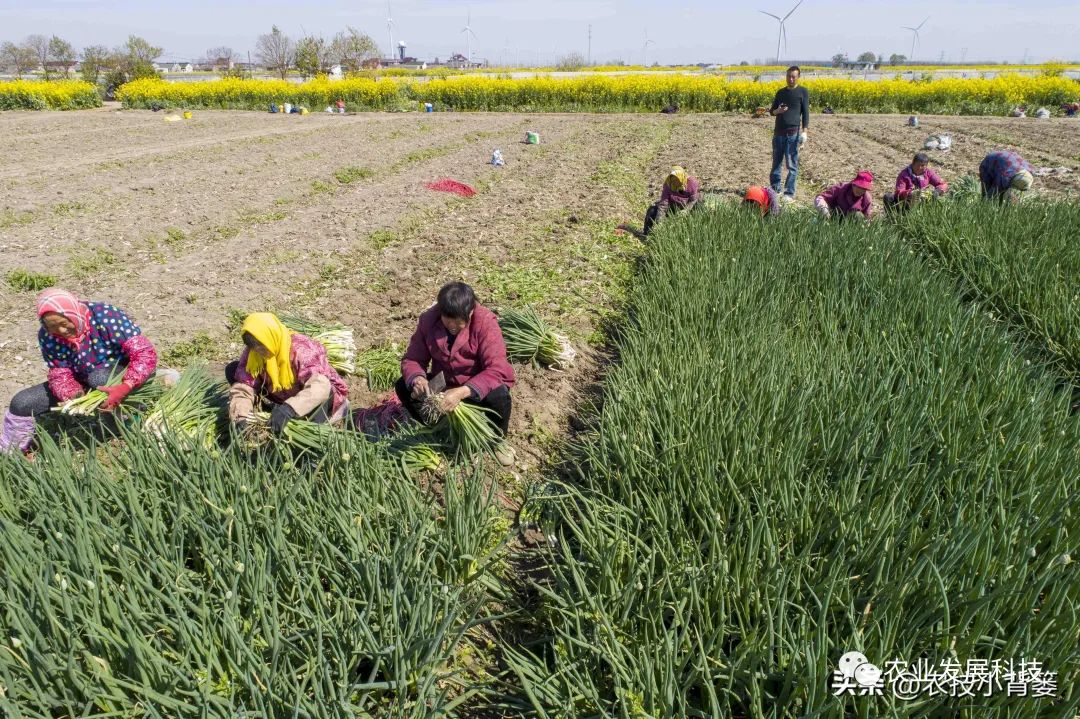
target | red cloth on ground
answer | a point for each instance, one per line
(447, 185)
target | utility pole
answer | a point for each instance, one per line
(963, 54)
(589, 58)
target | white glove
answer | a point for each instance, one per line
(824, 212)
(802, 138)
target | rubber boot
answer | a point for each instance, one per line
(17, 433)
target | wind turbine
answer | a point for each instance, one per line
(915, 37)
(390, 27)
(646, 47)
(782, 34)
(469, 35)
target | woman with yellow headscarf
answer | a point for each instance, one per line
(681, 192)
(286, 370)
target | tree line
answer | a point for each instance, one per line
(309, 55)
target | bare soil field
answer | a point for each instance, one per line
(186, 225)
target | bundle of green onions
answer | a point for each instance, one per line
(89, 403)
(966, 189)
(381, 365)
(420, 457)
(467, 426)
(299, 434)
(337, 339)
(189, 409)
(530, 339)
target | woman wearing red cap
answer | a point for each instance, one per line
(847, 198)
(765, 198)
(82, 343)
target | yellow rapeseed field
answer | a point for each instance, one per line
(42, 95)
(600, 93)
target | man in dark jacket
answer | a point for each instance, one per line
(791, 108)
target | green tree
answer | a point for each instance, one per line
(867, 58)
(61, 51)
(897, 59)
(313, 56)
(839, 59)
(351, 47)
(95, 59)
(141, 51)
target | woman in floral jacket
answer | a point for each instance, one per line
(82, 343)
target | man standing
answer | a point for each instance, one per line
(791, 108)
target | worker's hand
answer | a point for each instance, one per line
(117, 393)
(240, 426)
(824, 211)
(780, 109)
(419, 387)
(280, 417)
(802, 138)
(451, 398)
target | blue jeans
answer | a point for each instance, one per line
(785, 148)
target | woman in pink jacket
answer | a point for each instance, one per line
(462, 340)
(912, 180)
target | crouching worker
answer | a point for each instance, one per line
(286, 372)
(912, 181)
(1004, 175)
(763, 198)
(681, 193)
(82, 344)
(848, 198)
(462, 340)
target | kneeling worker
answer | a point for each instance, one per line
(462, 340)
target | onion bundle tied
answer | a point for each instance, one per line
(530, 339)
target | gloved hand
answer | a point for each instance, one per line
(240, 426)
(117, 393)
(280, 417)
(802, 138)
(824, 212)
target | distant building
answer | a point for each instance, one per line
(188, 67)
(64, 66)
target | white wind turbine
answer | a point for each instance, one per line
(645, 48)
(390, 27)
(915, 37)
(469, 35)
(782, 34)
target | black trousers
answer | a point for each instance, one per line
(320, 415)
(37, 400)
(497, 400)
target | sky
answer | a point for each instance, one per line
(539, 31)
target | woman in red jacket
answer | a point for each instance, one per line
(462, 340)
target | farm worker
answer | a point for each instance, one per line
(340, 104)
(82, 342)
(288, 372)
(681, 192)
(1071, 109)
(1004, 175)
(847, 198)
(764, 198)
(461, 339)
(791, 108)
(912, 180)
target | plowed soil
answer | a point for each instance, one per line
(187, 224)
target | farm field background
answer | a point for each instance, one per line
(852, 358)
(184, 223)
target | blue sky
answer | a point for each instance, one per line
(681, 30)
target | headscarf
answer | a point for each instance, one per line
(70, 308)
(757, 194)
(276, 337)
(676, 179)
(1022, 181)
